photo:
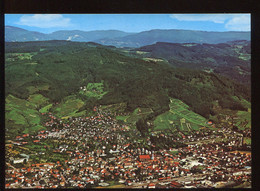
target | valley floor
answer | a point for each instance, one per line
(100, 151)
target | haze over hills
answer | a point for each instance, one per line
(175, 36)
(15, 34)
(85, 36)
(124, 39)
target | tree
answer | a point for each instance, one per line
(142, 126)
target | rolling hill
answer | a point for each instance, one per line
(231, 59)
(86, 36)
(174, 36)
(15, 34)
(39, 74)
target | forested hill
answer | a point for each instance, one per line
(232, 59)
(126, 39)
(15, 34)
(56, 69)
(174, 36)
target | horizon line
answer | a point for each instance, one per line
(122, 30)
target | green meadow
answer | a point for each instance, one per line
(69, 107)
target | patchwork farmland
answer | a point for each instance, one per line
(181, 117)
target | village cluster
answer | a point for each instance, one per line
(98, 151)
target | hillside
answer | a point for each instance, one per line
(16, 34)
(231, 59)
(69, 78)
(174, 36)
(85, 36)
(13, 34)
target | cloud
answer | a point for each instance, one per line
(44, 21)
(240, 22)
(216, 18)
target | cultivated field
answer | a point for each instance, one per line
(22, 113)
(179, 116)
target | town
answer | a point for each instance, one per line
(102, 152)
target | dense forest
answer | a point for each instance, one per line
(231, 59)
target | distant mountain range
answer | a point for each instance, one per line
(15, 34)
(174, 36)
(124, 39)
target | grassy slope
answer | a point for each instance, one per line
(137, 114)
(69, 107)
(166, 121)
(179, 115)
(21, 115)
(182, 110)
(46, 108)
(130, 118)
(38, 99)
(242, 117)
(94, 90)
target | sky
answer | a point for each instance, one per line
(47, 23)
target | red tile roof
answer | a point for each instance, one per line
(144, 157)
(173, 183)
